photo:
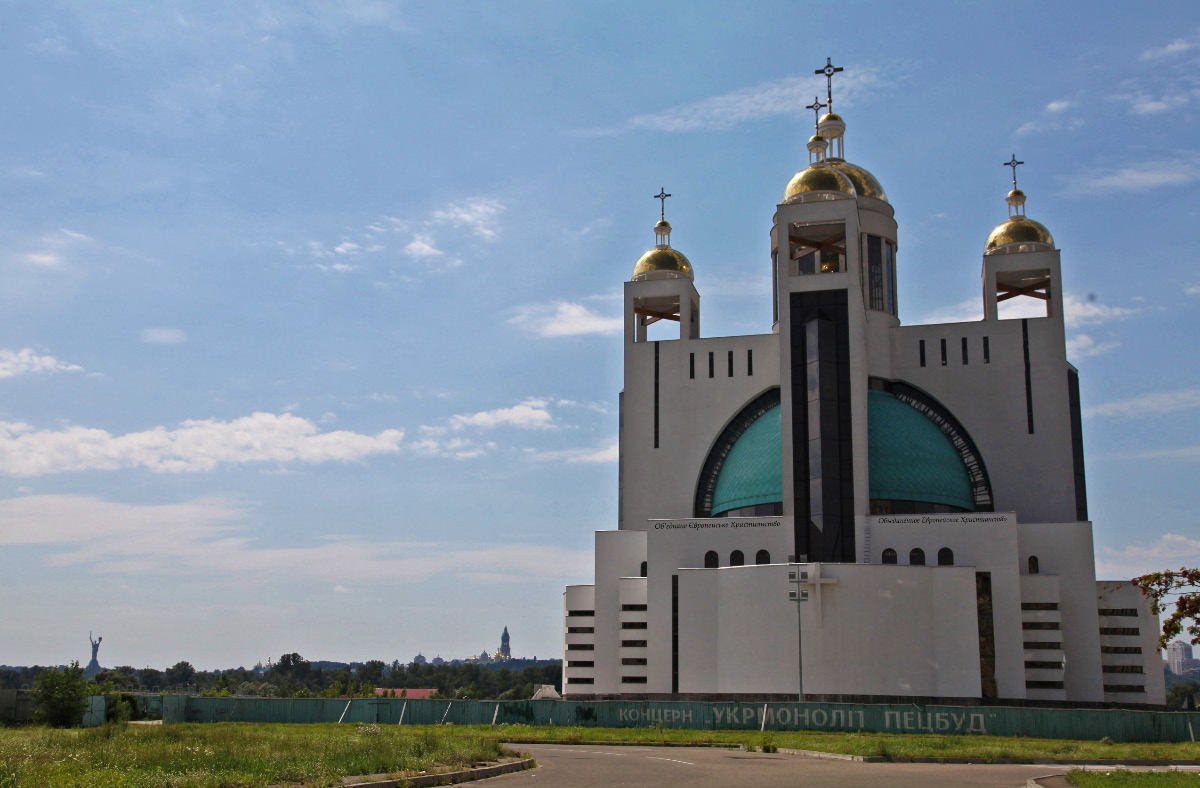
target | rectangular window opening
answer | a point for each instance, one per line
(964, 349)
(710, 364)
(987, 352)
(875, 271)
(730, 364)
(943, 352)
(633, 643)
(692, 366)
(922, 345)
(750, 363)
(633, 607)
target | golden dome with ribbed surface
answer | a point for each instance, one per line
(1018, 230)
(818, 178)
(662, 262)
(866, 184)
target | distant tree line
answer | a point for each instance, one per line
(295, 677)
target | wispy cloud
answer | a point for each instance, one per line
(1152, 404)
(422, 248)
(192, 446)
(27, 362)
(786, 96)
(1141, 176)
(530, 415)
(1192, 290)
(1077, 311)
(604, 453)
(1176, 47)
(163, 336)
(54, 248)
(478, 214)
(1180, 453)
(1166, 552)
(564, 319)
(207, 538)
(1084, 346)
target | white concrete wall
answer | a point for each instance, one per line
(1123, 595)
(578, 598)
(618, 554)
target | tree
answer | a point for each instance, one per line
(1181, 695)
(1183, 589)
(179, 673)
(61, 696)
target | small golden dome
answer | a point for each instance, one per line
(831, 116)
(662, 225)
(864, 182)
(1018, 230)
(818, 178)
(816, 138)
(662, 263)
(1015, 193)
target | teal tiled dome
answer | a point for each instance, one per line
(753, 470)
(910, 458)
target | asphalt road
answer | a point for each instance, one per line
(585, 766)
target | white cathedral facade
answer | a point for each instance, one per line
(847, 507)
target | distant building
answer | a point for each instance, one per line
(419, 659)
(1179, 658)
(505, 652)
(438, 661)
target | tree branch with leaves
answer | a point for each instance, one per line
(1178, 592)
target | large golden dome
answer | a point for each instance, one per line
(864, 182)
(818, 178)
(1018, 230)
(662, 263)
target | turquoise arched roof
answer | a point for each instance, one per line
(910, 458)
(753, 470)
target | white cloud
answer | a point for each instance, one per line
(478, 214)
(43, 258)
(1176, 47)
(205, 538)
(375, 397)
(1182, 453)
(1166, 552)
(1153, 404)
(347, 247)
(1090, 312)
(194, 445)
(1084, 346)
(563, 319)
(341, 268)
(1138, 177)
(27, 362)
(341, 589)
(1077, 312)
(1059, 106)
(529, 415)
(54, 247)
(421, 247)
(787, 96)
(607, 452)
(163, 336)
(1192, 290)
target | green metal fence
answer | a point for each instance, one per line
(1123, 725)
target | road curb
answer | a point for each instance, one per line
(833, 756)
(448, 778)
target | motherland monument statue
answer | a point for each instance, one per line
(93, 667)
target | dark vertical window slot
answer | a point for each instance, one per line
(731, 363)
(875, 271)
(943, 352)
(1028, 374)
(922, 345)
(964, 348)
(749, 363)
(891, 273)
(710, 364)
(656, 395)
(987, 352)
(692, 366)
(674, 633)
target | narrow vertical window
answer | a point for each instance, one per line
(643, 568)
(890, 264)
(710, 559)
(656, 366)
(964, 346)
(762, 557)
(736, 558)
(945, 557)
(1033, 565)
(750, 362)
(692, 366)
(916, 557)
(987, 352)
(943, 352)
(922, 352)
(730, 364)
(875, 271)
(710, 364)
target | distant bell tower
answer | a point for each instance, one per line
(504, 649)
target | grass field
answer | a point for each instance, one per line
(228, 754)
(980, 748)
(1133, 779)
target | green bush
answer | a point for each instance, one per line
(60, 695)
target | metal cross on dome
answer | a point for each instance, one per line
(829, 70)
(662, 197)
(816, 107)
(1013, 163)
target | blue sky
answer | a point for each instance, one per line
(309, 333)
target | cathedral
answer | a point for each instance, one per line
(845, 507)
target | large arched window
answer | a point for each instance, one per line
(916, 557)
(710, 559)
(762, 557)
(736, 558)
(945, 557)
(1033, 565)
(643, 568)
(889, 556)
